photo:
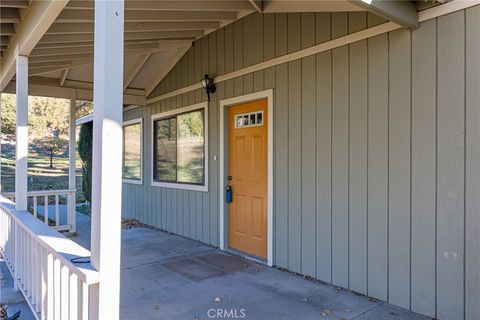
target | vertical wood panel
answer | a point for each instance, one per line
(399, 168)
(450, 170)
(294, 147)
(358, 157)
(472, 176)
(377, 166)
(340, 166)
(308, 147)
(323, 152)
(281, 146)
(238, 55)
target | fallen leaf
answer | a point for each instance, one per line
(217, 299)
(348, 310)
(305, 300)
(325, 312)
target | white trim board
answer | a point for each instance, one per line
(224, 104)
(184, 186)
(128, 123)
(424, 15)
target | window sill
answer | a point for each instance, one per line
(132, 181)
(170, 185)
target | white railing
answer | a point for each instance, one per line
(51, 198)
(40, 260)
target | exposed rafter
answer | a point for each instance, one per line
(57, 49)
(63, 77)
(166, 68)
(62, 62)
(48, 87)
(86, 27)
(70, 15)
(132, 73)
(38, 19)
(401, 12)
(14, 4)
(7, 29)
(257, 5)
(169, 5)
(84, 37)
(10, 15)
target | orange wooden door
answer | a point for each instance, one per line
(247, 167)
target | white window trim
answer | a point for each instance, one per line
(128, 123)
(224, 104)
(166, 114)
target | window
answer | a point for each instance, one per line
(132, 151)
(180, 148)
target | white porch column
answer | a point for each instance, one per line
(107, 153)
(21, 165)
(72, 142)
(0, 145)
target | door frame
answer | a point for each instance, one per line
(224, 104)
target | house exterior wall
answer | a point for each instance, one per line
(376, 153)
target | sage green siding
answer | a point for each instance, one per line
(376, 153)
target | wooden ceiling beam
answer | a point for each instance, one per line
(63, 77)
(130, 44)
(165, 69)
(7, 29)
(85, 27)
(187, 34)
(57, 63)
(403, 13)
(39, 17)
(153, 46)
(14, 4)
(257, 5)
(4, 41)
(134, 70)
(83, 15)
(10, 15)
(169, 5)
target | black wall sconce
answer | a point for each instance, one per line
(209, 86)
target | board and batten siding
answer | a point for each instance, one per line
(376, 153)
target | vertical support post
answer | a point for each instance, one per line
(107, 155)
(21, 166)
(72, 136)
(0, 144)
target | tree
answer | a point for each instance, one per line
(48, 122)
(7, 110)
(85, 142)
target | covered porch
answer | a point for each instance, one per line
(146, 60)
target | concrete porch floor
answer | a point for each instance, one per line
(165, 276)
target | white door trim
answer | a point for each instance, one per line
(268, 94)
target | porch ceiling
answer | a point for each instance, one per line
(157, 34)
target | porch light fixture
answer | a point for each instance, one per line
(209, 86)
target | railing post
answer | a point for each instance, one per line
(21, 166)
(107, 153)
(72, 136)
(15, 258)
